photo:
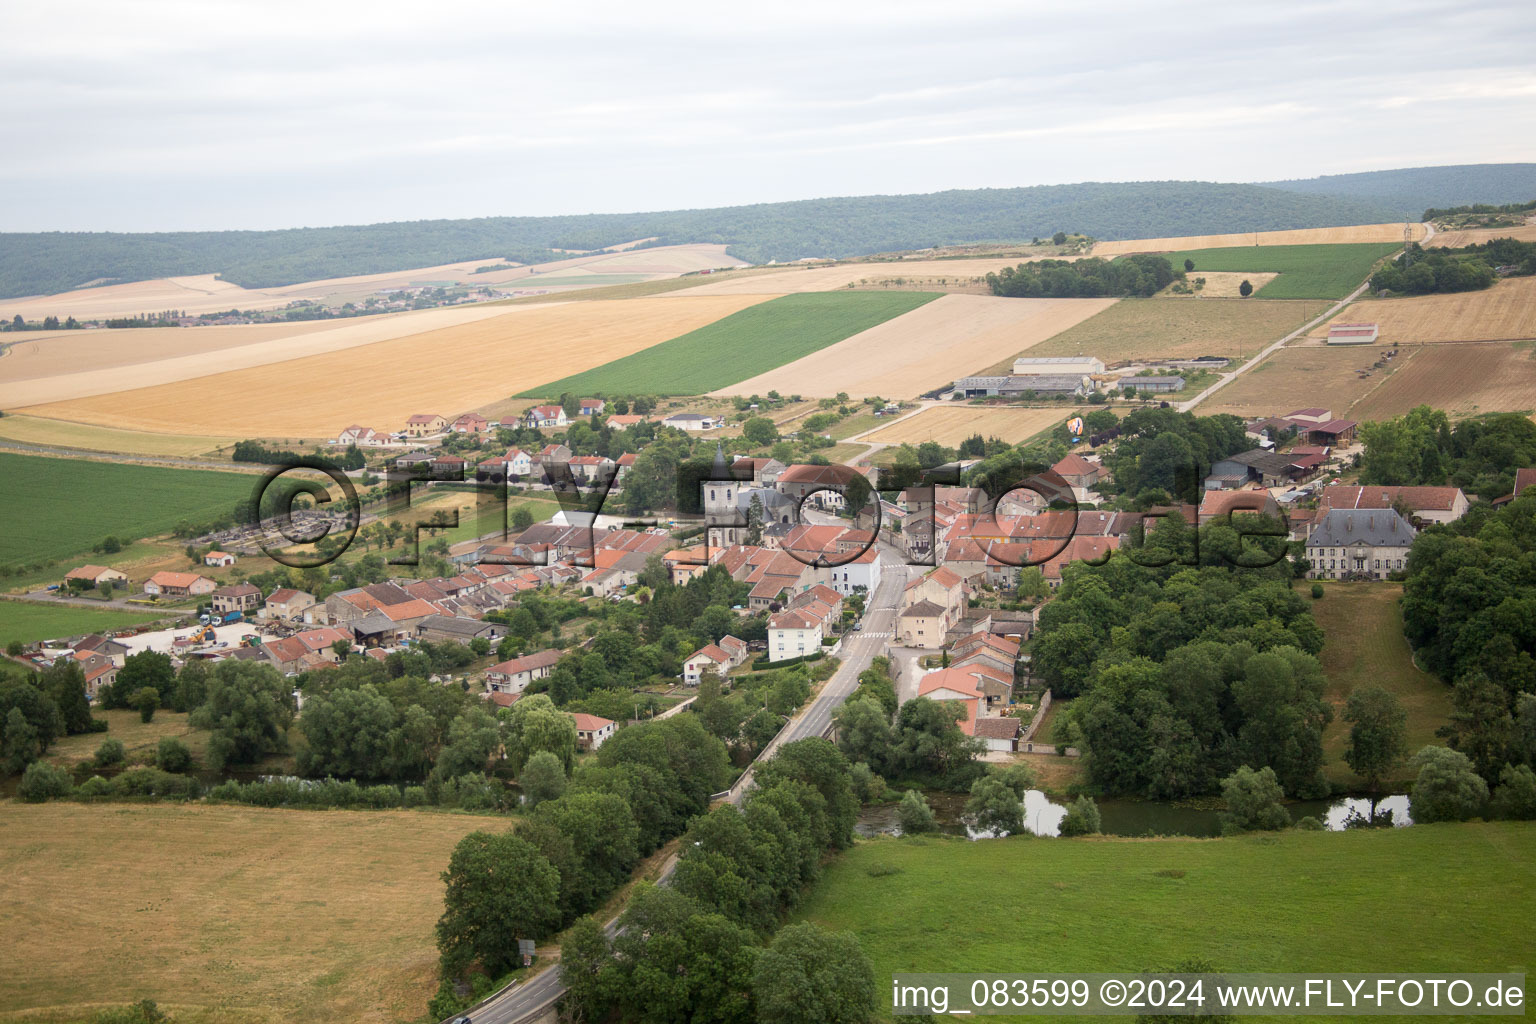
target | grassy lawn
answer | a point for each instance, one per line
(1366, 647)
(56, 508)
(1306, 271)
(233, 915)
(742, 345)
(139, 738)
(1430, 897)
(31, 620)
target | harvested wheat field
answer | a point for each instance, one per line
(34, 430)
(1306, 376)
(1505, 312)
(1464, 380)
(448, 371)
(1219, 284)
(207, 293)
(1477, 236)
(228, 914)
(914, 274)
(100, 362)
(1298, 236)
(1133, 330)
(950, 337)
(950, 424)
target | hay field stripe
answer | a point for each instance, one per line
(379, 385)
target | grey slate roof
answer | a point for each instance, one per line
(1376, 527)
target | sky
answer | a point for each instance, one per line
(213, 114)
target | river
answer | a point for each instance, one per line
(1042, 815)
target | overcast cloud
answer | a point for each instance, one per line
(160, 115)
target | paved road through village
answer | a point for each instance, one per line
(533, 997)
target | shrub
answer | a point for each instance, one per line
(914, 814)
(42, 782)
(92, 788)
(1317, 591)
(1082, 818)
(414, 796)
(110, 754)
(172, 755)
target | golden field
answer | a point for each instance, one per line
(57, 433)
(1220, 284)
(234, 915)
(916, 273)
(1464, 380)
(1143, 329)
(1306, 376)
(1477, 236)
(1505, 312)
(449, 371)
(206, 293)
(952, 423)
(1298, 236)
(117, 360)
(952, 336)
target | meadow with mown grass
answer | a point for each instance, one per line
(1364, 646)
(27, 621)
(56, 508)
(223, 915)
(732, 349)
(1451, 897)
(1306, 271)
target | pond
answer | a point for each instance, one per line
(1042, 815)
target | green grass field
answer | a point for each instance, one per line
(30, 620)
(1363, 623)
(742, 345)
(1306, 271)
(1430, 897)
(56, 508)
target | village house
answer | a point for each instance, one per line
(588, 469)
(1000, 733)
(288, 605)
(99, 670)
(178, 584)
(469, 423)
(794, 633)
(719, 658)
(344, 606)
(515, 675)
(593, 406)
(931, 606)
(95, 575)
(440, 628)
(691, 421)
(238, 597)
(363, 437)
(1220, 504)
(1426, 504)
(546, 417)
(1347, 543)
(592, 731)
(218, 559)
(515, 465)
(1079, 473)
(623, 421)
(425, 424)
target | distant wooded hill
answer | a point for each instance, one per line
(46, 262)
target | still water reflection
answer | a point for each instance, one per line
(1042, 815)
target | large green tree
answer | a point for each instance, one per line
(500, 889)
(248, 709)
(1378, 733)
(811, 976)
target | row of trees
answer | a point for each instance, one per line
(1420, 272)
(1469, 610)
(1479, 454)
(1183, 673)
(700, 949)
(1086, 278)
